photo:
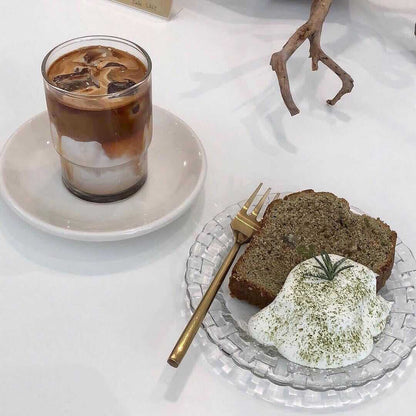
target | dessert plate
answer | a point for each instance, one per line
(30, 182)
(261, 370)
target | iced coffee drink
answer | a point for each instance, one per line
(98, 94)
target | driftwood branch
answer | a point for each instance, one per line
(310, 30)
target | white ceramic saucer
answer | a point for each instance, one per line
(30, 182)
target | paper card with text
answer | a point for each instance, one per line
(160, 7)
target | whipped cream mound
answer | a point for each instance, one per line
(320, 323)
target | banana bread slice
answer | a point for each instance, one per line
(300, 226)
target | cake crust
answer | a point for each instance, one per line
(302, 225)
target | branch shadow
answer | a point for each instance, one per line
(263, 9)
(353, 23)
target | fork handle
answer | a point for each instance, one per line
(191, 329)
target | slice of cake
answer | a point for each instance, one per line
(303, 225)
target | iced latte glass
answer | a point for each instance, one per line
(98, 94)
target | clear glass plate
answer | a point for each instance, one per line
(251, 364)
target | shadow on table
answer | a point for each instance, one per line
(292, 9)
(358, 21)
(70, 390)
(172, 381)
(264, 113)
(96, 258)
(263, 9)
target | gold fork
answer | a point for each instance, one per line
(244, 225)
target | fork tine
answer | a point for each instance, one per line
(277, 196)
(257, 209)
(251, 199)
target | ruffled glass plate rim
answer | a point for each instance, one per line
(391, 348)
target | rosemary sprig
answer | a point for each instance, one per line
(328, 270)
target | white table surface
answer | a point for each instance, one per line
(85, 328)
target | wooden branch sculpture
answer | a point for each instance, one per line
(310, 30)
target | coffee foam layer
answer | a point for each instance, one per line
(96, 70)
